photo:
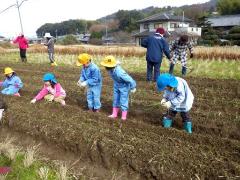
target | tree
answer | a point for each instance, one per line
(226, 7)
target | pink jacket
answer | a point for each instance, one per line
(22, 42)
(56, 91)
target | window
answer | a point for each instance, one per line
(145, 26)
(173, 25)
(158, 25)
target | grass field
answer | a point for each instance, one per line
(142, 149)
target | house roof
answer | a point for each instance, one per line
(164, 17)
(224, 21)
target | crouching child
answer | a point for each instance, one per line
(177, 97)
(12, 84)
(51, 91)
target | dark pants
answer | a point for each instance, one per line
(150, 66)
(185, 115)
(184, 69)
(23, 55)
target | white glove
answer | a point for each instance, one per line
(167, 104)
(79, 83)
(163, 101)
(1, 114)
(133, 90)
(33, 101)
(83, 84)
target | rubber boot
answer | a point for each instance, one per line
(167, 123)
(171, 68)
(184, 70)
(188, 127)
(124, 115)
(17, 94)
(114, 113)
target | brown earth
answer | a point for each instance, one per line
(141, 148)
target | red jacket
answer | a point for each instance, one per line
(22, 42)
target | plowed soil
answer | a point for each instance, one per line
(142, 149)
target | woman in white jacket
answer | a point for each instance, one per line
(177, 97)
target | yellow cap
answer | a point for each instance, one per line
(109, 61)
(8, 70)
(83, 59)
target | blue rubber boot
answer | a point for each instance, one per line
(167, 123)
(188, 127)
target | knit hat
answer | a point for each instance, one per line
(160, 31)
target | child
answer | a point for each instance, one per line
(90, 77)
(179, 49)
(51, 91)
(12, 84)
(177, 97)
(122, 85)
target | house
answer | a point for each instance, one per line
(174, 25)
(224, 22)
(3, 39)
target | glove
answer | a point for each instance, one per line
(163, 101)
(191, 55)
(133, 90)
(167, 104)
(83, 84)
(33, 101)
(79, 83)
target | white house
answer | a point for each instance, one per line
(174, 25)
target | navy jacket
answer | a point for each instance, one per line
(156, 45)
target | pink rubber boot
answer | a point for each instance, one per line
(124, 115)
(114, 112)
(17, 94)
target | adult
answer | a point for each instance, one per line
(23, 45)
(179, 49)
(50, 45)
(156, 45)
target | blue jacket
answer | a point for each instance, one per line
(92, 75)
(13, 81)
(156, 45)
(181, 98)
(122, 79)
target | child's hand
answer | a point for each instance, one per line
(167, 104)
(133, 90)
(33, 101)
(83, 84)
(163, 101)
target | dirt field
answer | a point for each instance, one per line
(142, 149)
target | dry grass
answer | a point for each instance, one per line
(29, 157)
(6, 145)
(43, 173)
(62, 172)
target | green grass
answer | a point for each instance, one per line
(217, 69)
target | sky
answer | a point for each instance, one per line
(35, 13)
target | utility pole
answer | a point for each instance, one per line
(106, 34)
(19, 14)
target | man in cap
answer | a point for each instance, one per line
(156, 45)
(50, 46)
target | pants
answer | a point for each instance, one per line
(120, 98)
(93, 97)
(185, 115)
(184, 69)
(150, 66)
(50, 97)
(23, 55)
(183, 58)
(10, 90)
(51, 57)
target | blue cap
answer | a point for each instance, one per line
(165, 80)
(49, 77)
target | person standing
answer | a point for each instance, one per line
(50, 45)
(179, 49)
(156, 45)
(23, 45)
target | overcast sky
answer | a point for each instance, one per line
(38, 12)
